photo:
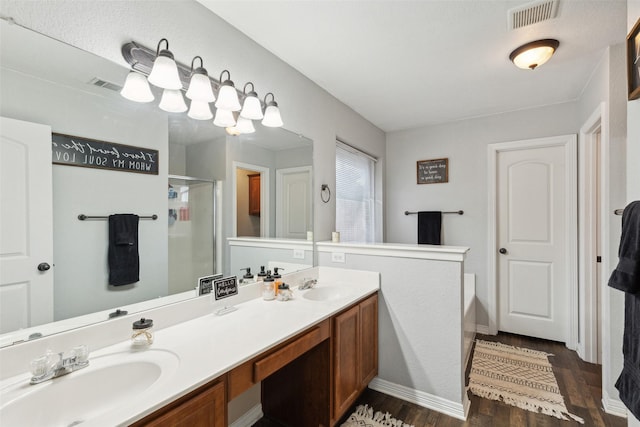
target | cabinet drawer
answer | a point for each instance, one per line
(254, 371)
(268, 365)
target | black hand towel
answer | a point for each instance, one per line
(124, 263)
(429, 227)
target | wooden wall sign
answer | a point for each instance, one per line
(433, 171)
(90, 153)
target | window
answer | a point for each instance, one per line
(355, 195)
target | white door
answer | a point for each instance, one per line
(293, 202)
(26, 225)
(534, 264)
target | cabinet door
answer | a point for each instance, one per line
(368, 340)
(345, 369)
(254, 194)
(205, 409)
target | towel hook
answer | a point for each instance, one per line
(324, 188)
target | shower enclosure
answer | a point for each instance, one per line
(191, 231)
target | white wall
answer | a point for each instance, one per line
(80, 247)
(103, 26)
(465, 144)
(607, 84)
(633, 141)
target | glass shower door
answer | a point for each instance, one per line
(191, 231)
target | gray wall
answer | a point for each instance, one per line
(465, 144)
(103, 26)
(80, 247)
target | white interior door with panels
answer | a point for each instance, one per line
(533, 238)
(26, 225)
(293, 202)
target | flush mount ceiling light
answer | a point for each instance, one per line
(159, 68)
(164, 73)
(533, 54)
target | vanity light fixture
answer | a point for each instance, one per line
(227, 95)
(224, 118)
(164, 73)
(136, 88)
(200, 89)
(533, 54)
(200, 85)
(272, 117)
(199, 110)
(172, 101)
(245, 125)
(251, 108)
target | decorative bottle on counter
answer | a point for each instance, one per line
(142, 335)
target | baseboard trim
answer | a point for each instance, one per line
(482, 329)
(613, 406)
(249, 418)
(426, 400)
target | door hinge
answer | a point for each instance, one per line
(598, 258)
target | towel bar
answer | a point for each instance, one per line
(447, 212)
(83, 217)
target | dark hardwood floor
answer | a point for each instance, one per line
(580, 383)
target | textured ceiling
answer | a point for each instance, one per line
(406, 64)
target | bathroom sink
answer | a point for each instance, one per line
(109, 381)
(326, 293)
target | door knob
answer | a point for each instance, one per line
(502, 251)
(43, 266)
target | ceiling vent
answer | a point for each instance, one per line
(105, 84)
(532, 13)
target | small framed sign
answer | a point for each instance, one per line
(433, 171)
(205, 284)
(225, 287)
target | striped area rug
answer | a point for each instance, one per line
(517, 376)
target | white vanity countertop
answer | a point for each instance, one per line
(209, 346)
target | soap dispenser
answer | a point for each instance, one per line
(278, 279)
(248, 277)
(261, 275)
(268, 287)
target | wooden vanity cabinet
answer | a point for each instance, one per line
(204, 407)
(355, 353)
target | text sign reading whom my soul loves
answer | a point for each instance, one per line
(89, 153)
(433, 171)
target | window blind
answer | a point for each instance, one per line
(355, 195)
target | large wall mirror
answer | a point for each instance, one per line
(216, 196)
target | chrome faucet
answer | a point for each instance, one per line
(307, 284)
(52, 365)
